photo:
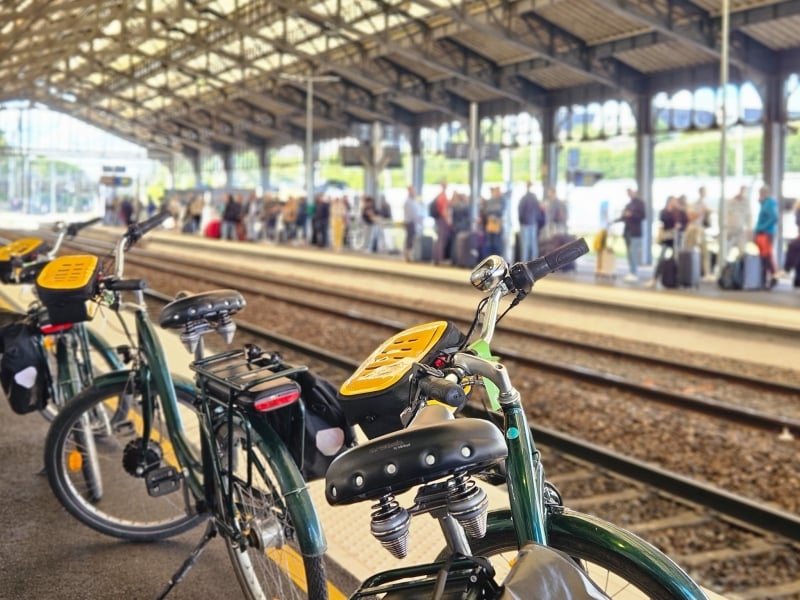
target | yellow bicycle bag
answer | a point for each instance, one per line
(65, 285)
(377, 392)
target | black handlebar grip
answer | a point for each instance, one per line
(137, 230)
(126, 285)
(152, 222)
(524, 275)
(74, 228)
(443, 390)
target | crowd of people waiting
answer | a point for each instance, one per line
(331, 219)
(335, 221)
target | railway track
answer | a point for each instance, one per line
(717, 536)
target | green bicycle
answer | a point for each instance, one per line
(404, 397)
(169, 453)
(59, 356)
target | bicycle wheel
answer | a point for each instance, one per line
(269, 563)
(91, 455)
(615, 574)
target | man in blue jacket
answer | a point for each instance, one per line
(764, 235)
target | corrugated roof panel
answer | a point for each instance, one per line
(588, 21)
(714, 7)
(495, 49)
(663, 57)
(557, 77)
(781, 34)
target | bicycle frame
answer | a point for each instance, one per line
(152, 376)
(529, 517)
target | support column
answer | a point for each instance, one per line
(264, 166)
(227, 165)
(549, 149)
(53, 199)
(645, 166)
(372, 161)
(475, 164)
(417, 160)
(774, 149)
(194, 159)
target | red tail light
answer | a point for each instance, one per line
(48, 329)
(276, 399)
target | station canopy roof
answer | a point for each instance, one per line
(192, 75)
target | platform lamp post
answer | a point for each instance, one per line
(309, 80)
(723, 151)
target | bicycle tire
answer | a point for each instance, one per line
(613, 573)
(124, 509)
(269, 564)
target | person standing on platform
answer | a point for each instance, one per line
(699, 219)
(412, 222)
(494, 210)
(231, 215)
(372, 220)
(531, 220)
(792, 260)
(440, 211)
(632, 216)
(673, 223)
(737, 221)
(338, 218)
(764, 235)
(557, 214)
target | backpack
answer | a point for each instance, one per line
(22, 368)
(326, 434)
(731, 277)
(433, 208)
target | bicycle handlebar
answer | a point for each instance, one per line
(137, 230)
(126, 285)
(525, 274)
(74, 228)
(133, 234)
(443, 390)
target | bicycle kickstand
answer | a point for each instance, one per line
(211, 532)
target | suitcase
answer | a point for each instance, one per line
(422, 250)
(669, 272)
(606, 267)
(752, 272)
(467, 250)
(689, 267)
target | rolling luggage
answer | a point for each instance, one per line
(752, 272)
(422, 250)
(606, 267)
(689, 267)
(467, 250)
(669, 271)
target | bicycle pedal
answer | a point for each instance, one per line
(163, 481)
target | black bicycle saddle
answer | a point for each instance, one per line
(433, 446)
(196, 307)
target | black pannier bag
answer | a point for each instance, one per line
(22, 368)
(327, 433)
(375, 395)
